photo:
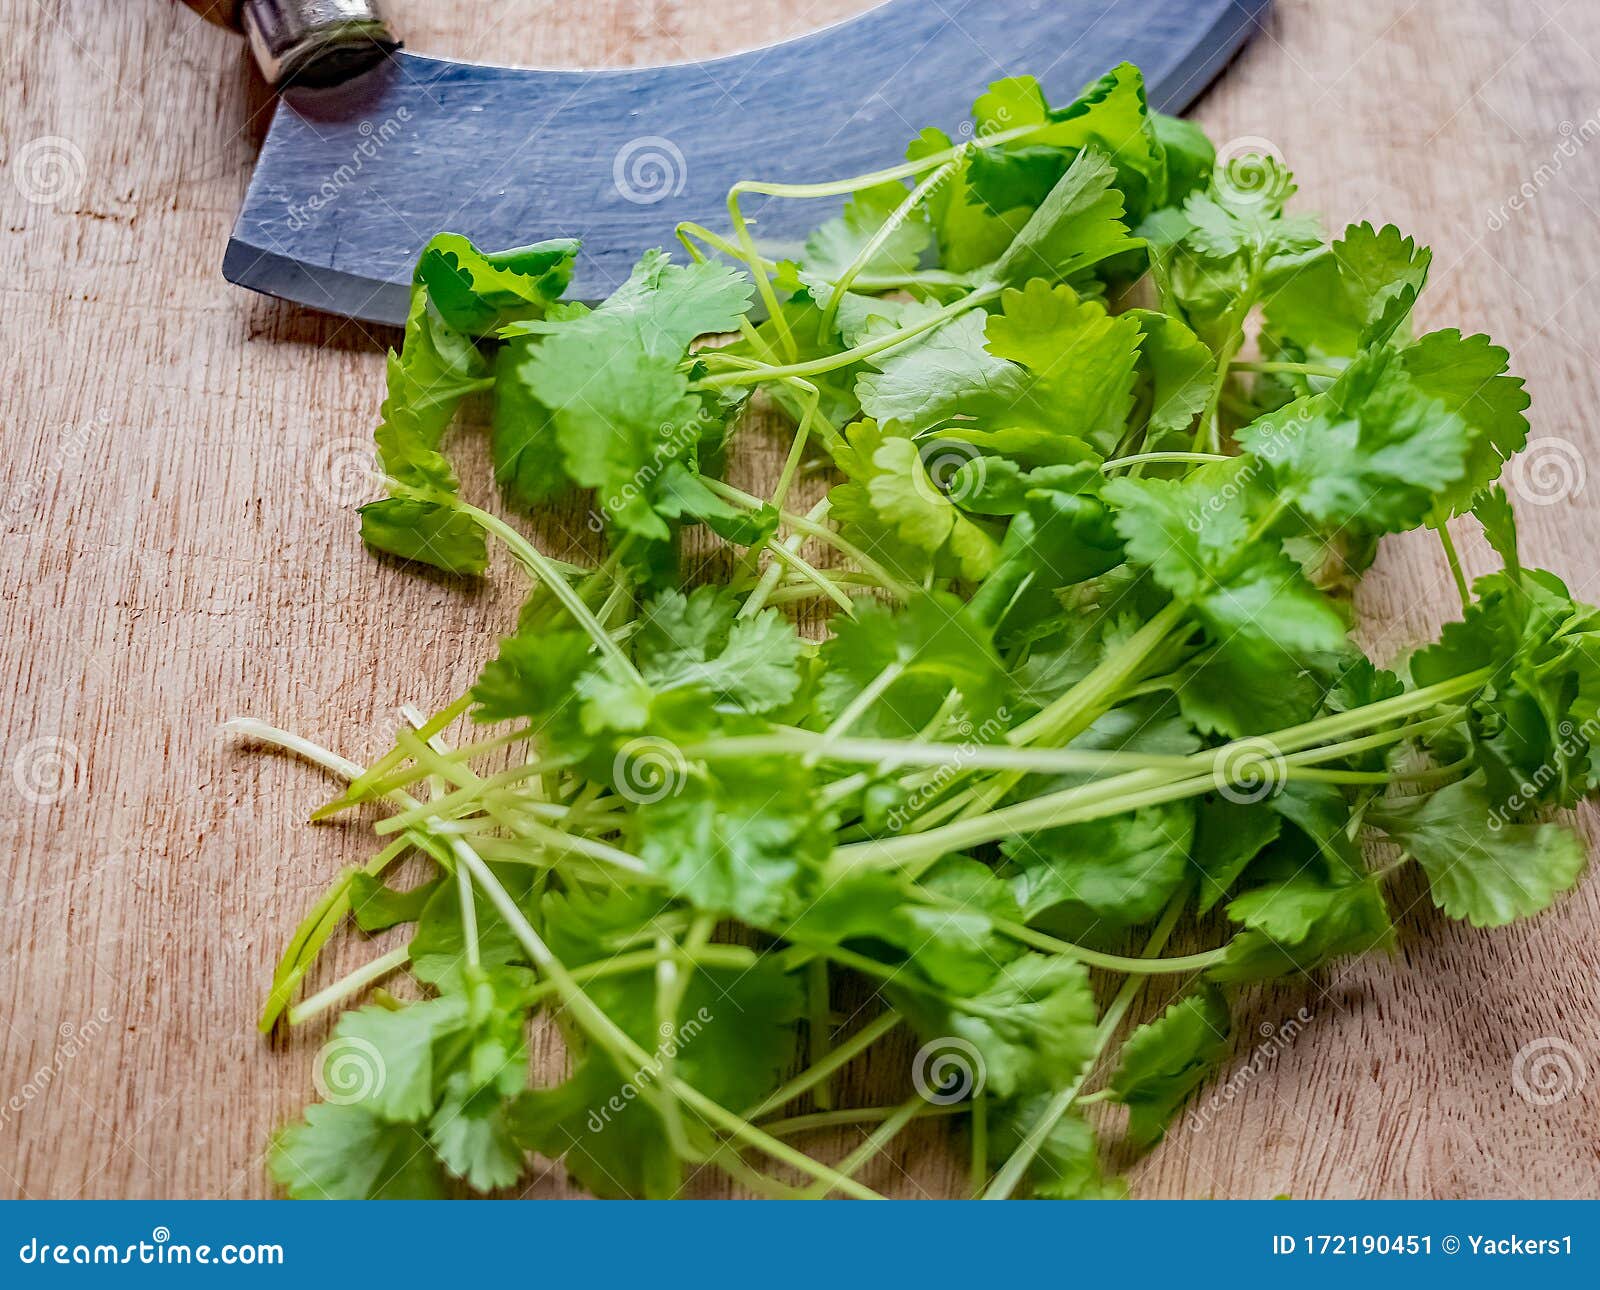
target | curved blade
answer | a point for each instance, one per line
(353, 181)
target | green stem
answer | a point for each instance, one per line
(796, 1124)
(627, 1054)
(866, 350)
(876, 1141)
(545, 571)
(978, 1169)
(1302, 369)
(1128, 792)
(801, 524)
(840, 1057)
(876, 242)
(763, 591)
(349, 985)
(819, 1026)
(1005, 1182)
(1143, 458)
(1463, 589)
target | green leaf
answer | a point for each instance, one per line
(1228, 836)
(1176, 371)
(735, 1035)
(425, 532)
(1124, 868)
(933, 645)
(741, 844)
(1370, 454)
(1032, 1028)
(1467, 375)
(833, 247)
(1080, 359)
(1295, 926)
(377, 906)
(475, 293)
(1165, 1060)
(471, 1133)
(1078, 225)
(1355, 295)
(697, 640)
(526, 454)
(935, 375)
(1197, 538)
(383, 1059)
(1067, 1163)
(536, 676)
(1481, 866)
(347, 1153)
(951, 942)
(438, 946)
(969, 234)
(895, 509)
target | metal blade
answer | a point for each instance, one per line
(353, 181)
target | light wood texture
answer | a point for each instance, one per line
(179, 458)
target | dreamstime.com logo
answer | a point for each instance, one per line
(1250, 770)
(1548, 471)
(348, 1070)
(159, 1251)
(49, 171)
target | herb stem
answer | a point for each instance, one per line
(349, 985)
(1010, 1174)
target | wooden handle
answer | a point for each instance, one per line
(223, 12)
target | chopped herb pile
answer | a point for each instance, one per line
(1109, 435)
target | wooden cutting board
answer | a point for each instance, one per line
(179, 459)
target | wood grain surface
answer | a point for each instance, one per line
(179, 462)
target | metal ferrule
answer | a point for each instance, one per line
(315, 42)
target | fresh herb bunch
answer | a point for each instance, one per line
(1089, 677)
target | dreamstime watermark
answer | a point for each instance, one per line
(951, 471)
(374, 138)
(1572, 742)
(1249, 171)
(344, 470)
(945, 772)
(348, 1070)
(648, 769)
(1549, 471)
(1574, 138)
(674, 1038)
(1276, 1039)
(49, 171)
(1249, 771)
(74, 1038)
(947, 1070)
(673, 443)
(46, 769)
(1266, 448)
(160, 1250)
(70, 448)
(649, 169)
(1548, 1070)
